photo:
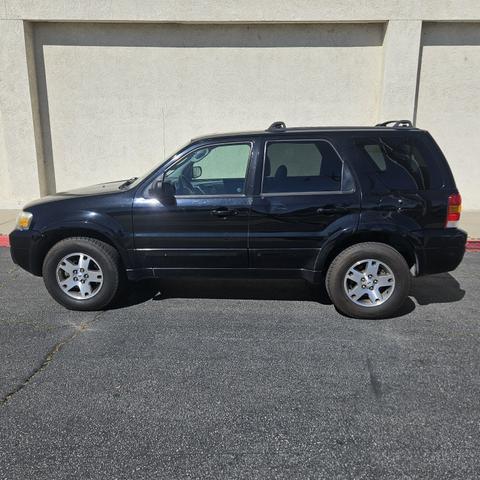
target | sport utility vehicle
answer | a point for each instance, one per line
(361, 208)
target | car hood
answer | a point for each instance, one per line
(92, 190)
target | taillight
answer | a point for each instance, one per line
(453, 210)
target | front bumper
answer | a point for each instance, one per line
(442, 250)
(23, 250)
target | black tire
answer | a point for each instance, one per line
(104, 255)
(356, 253)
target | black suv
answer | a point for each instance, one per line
(360, 208)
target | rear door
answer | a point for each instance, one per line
(305, 194)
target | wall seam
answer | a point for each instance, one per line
(419, 71)
(44, 180)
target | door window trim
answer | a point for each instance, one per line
(322, 192)
(178, 160)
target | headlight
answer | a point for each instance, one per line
(24, 220)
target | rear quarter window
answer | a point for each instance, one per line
(400, 162)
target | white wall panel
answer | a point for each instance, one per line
(115, 97)
(449, 99)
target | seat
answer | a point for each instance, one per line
(281, 172)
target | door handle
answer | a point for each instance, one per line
(224, 212)
(389, 208)
(330, 210)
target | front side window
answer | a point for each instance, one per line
(302, 166)
(211, 170)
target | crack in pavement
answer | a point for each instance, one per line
(49, 358)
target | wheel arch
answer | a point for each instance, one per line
(396, 240)
(52, 237)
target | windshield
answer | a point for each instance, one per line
(137, 180)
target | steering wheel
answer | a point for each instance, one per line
(198, 188)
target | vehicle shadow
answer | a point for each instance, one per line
(440, 288)
(221, 288)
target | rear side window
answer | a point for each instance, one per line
(303, 166)
(401, 163)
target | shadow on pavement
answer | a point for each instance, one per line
(440, 288)
(247, 289)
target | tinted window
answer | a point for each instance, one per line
(301, 167)
(212, 170)
(226, 161)
(401, 163)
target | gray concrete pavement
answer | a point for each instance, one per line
(239, 379)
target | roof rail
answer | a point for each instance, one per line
(276, 126)
(396, 124)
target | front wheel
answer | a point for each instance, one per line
(368, 280)
(82, 273)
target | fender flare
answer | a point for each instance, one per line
(407, 243)
(108, 231)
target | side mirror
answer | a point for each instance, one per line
(156, 189)
(163, 191)
(196, 171)
(167, 190)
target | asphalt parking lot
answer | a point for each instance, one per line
(239, 379)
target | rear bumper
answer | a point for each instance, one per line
(23, 248)
(442, 250)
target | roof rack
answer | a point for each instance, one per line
(396, 124)
(276, 126)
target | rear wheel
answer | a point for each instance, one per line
(368, 280)
(82, 273)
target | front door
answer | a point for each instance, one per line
(204, 221)
(306, 195)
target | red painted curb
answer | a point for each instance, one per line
(4, 242)
(473, 245)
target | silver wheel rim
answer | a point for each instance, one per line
(79, 276)
(369, 282)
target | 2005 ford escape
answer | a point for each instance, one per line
(361, 208)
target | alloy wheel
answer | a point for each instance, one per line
(79, 276)
(369, 282)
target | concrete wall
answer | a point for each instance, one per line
(449, 99)
(119, 96)
(95, 91)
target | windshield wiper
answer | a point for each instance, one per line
(128, 182)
